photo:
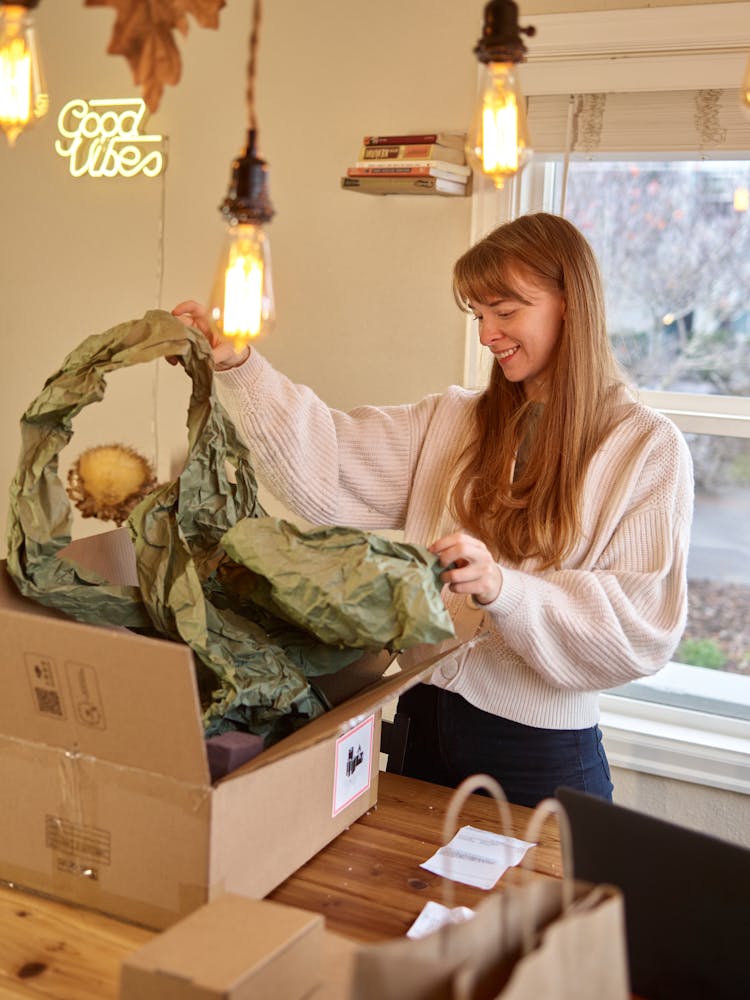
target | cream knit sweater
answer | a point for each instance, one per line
(551, 640)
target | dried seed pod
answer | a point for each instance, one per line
(108, 481)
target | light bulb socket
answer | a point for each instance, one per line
(501, 35)
(248, 200)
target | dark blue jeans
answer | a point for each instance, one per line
(449, 739)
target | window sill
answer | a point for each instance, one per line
(674, 741)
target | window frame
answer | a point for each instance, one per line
(654, 48)
(639, 50)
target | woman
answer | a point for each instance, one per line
(559, 505)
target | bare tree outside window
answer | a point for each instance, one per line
(673, 240)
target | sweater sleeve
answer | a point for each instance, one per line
(619, 612)
(328, 466)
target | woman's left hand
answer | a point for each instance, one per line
(472, 568)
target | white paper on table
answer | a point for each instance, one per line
(435, 915)
(477, 857)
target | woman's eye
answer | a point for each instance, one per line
(498, 313)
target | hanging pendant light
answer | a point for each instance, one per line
(498, 142)
(23, 92)
(242, 302)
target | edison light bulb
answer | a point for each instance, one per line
(745, 86)
(23, 95)
(242, 303)
(499, 141)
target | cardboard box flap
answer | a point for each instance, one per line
(103, 692)
(111, 554)
(232, 947)
(342, 717)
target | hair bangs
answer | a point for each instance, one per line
(482, 275)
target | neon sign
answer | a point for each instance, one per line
(102, 138)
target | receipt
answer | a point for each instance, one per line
(477, 857)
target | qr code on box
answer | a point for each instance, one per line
(45, 686)
(48, 702)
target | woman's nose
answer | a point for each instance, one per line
(488, 332)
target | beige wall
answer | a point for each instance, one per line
(364, 304)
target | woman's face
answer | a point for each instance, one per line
(521, 332)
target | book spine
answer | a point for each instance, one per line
(454, 139)
(412, 151)
(458, 171)
(390, 171)
(399, 140)
(403, 185)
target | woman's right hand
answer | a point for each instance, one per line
(197, 316)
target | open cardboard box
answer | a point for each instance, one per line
(105, 795)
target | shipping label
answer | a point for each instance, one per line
(353, 764)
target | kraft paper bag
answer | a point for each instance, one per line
(543, 939)
(577, 951)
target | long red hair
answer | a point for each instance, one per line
(537, 515)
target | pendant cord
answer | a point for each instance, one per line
(159, 290)
(252, 64)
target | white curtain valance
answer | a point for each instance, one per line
(682, 122)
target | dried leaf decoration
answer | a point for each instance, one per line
(144, 34)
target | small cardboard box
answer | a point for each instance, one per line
(232, 949)
(105, 795)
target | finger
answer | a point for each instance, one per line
(189, 306)
(446, 542)
(449, 553)
(450, 558)
(459, 556)
(466, 574)
(196, 315)
(460, 545)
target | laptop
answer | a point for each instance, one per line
(687, 898)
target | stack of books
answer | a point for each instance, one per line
(417, 163)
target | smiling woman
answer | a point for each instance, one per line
(558, 506)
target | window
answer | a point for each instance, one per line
(658, 177)
(673, 241)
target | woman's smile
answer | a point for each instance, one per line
(507, 353)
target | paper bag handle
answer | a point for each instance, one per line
(544, 810)
(468, 786)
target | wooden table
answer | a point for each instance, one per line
(367, 883)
